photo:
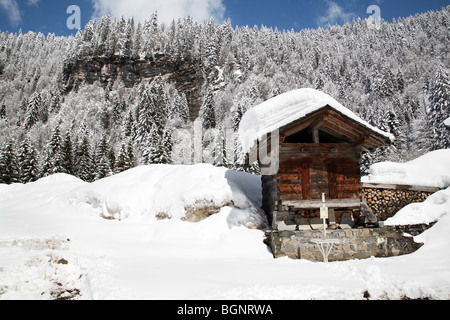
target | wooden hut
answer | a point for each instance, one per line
(319, 148)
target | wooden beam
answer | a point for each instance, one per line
(316, 204)
(313, 121)
(400, 187)
(335, 133)
(298, 126)
(316, 136)
(362, 140)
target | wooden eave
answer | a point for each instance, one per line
(334, 123)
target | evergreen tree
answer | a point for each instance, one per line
(112, 159)
(439, 109)
(422, 135)
(67, 157)
(160, 104)
(180, 107)
(55, 103)
(102, 160)
(121, 164)
(23, 107)
(53, 159)
(131, 161)
(128, 127)
(2, 111)
(9, 169)
(84, 167)
(144, 111)
(166, 145)
(128, 41)
(125, 159)
(220, 153)
(211, 45)
(118, 107)
(208, 111)
(32, 115)
(239, 156)
(137, 42)
(105, 117)
(319, 83)
(28, 162)
(152, 150)
(237, 116)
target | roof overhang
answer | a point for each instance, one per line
(334, 123)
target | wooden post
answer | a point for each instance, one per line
(324, 216)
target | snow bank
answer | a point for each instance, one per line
(432, 210)
(287, 108)
(430, 170)
(167, 190)
(447, 122)
(39, 269)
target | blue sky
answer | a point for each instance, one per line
(51, 15)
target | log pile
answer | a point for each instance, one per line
(385, 203)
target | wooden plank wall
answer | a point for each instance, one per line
(307, 171)
(270, 195)
(345, 179)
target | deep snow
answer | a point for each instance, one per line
(55, 242)
(430, 170)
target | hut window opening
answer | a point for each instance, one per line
(308, 136)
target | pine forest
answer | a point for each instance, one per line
(182, 89)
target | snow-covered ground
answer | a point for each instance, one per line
(58, 240)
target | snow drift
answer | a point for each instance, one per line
(55, 245)
(165, 190)
(430, 170)
(432, 210)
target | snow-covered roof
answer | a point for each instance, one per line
(288, 108)
(447, 122)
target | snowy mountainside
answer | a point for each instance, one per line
(63, 108)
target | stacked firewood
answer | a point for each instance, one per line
(385, 203)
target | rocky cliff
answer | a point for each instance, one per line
(188, 77)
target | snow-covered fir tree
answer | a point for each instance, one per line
(53, 162)
(102, 160)
(29, 170)
(3, 111)
(439, 109)
(33, 112)
(67, 155)
(9, 167)
(84, 164)
(208, 112)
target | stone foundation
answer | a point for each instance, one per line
(354, 244)
(355, 228)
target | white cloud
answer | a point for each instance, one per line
(168, 10)
(335, 14)
(12, 8)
